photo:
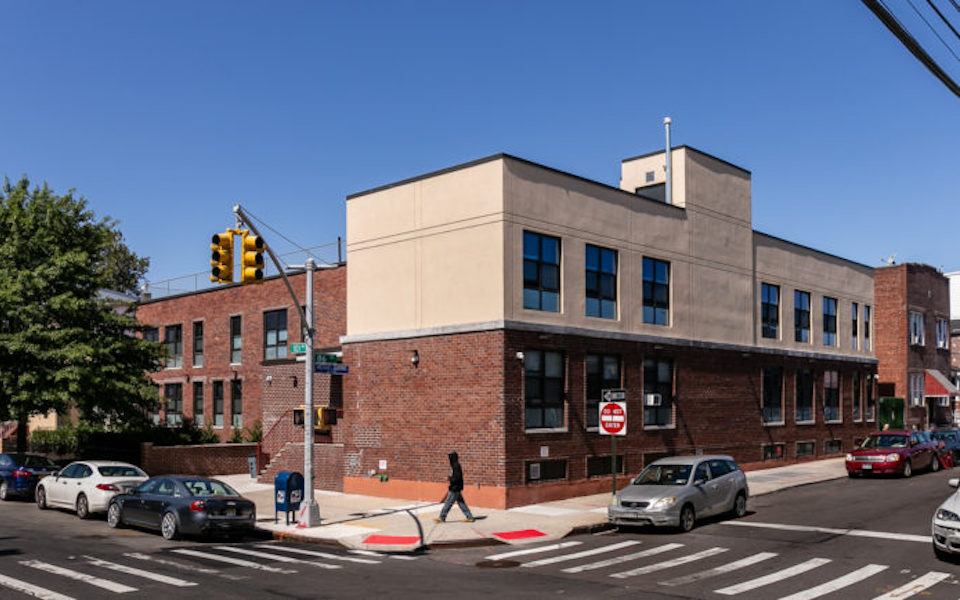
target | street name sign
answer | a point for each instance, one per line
(331, 368)
(613, 418)
(326, 357)
(299, 348)
(614, 395)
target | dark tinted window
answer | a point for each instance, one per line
(148, 486)
(719, 468)
(664, 474)
(732, 466)
(702, 473)
(121, 471)
(42, 462)
(84, 471)
(166, 487)
(71, 471)
(209, 487)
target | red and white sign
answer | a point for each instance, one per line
(613, 418)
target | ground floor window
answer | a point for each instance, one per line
(773, 451)
(657, 393)
(173, 401)
(832, 446)
(236, 403)
(543, 389)
(198, 403)
(218, 404)
(546, 470)
(603, 372)
(803, 412)
(806, 449)
(831, 397)
(857, 398)
(600, 465)
(870, 403)
(772, 391)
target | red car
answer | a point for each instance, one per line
(894, 453)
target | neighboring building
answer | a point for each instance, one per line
(489, 304)
(954, 279)
(913, 346)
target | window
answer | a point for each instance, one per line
(831, 397)
(803, 412)
(829, 321)
(603, 372)
(153, 411)
(806, 449)
(801, 316)
(866, 328)
(916, 389)
(854, 323)
(198, 403)
(943, 334)
(656, 291)
(702, 474)
(543, 389)
(173, 344)
(772, 451)
(857, 398)
(218, 404)
(772, 390)
(770, 310)
(719, 468)
(198, 344)
(236, 340)
(869, 403)
(916, 329)
(598, 466)
(151, 334)
(275, 334)
(541, 272)
(658, 379)
(601, 282)
(546, 470)
(173, 399)
(832, 446)
(236, 403)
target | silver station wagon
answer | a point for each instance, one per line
(677, 491)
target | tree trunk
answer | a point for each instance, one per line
(22, 434)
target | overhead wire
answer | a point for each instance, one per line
(935, 32)
(944, 18)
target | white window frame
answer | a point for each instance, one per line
(916, 384)
(943, 334)
(916, 328)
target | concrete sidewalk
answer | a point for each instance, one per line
(369, 523)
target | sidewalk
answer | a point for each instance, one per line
(369, 523)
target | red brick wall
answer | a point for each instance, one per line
(327, 465)
(215, 307)
(209, 459)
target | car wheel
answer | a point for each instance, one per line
(168, 526)
(83, 507)
(688, 518)
(907, 469)
(4, 491)
(114, 516)
(740, 505)
(935, 465)
(41, 498)
(942, 554)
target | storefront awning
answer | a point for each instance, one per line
(937, 384)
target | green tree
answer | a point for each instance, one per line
(61, 345)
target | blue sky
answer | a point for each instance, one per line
(165, 114)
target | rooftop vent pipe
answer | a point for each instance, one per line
(669, 187)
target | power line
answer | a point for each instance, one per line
(924, 19)
(289, 241)
(943, 18)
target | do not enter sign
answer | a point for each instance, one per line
(613, 418)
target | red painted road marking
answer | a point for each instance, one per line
(392, 540)
(521, 534)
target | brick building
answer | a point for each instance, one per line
(913, 346)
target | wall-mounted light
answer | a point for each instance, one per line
(415, 358)
(269, 379)
(520, 356)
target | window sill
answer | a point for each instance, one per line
(592, 429)
(840, 422)
(775, 424)
(805, 423)
(604, 320)
(546, 430)
(267, 362)
(658, 427)
(172, 368)
(235, 365)
(196, 366)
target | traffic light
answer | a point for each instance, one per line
(252, 260)
(221, 257)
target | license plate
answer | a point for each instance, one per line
(867, 467)
(231, 512)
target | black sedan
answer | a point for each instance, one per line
(183, 505)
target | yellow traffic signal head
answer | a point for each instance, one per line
(252, 258)
(221, 257)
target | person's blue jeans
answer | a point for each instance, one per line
(448, 504)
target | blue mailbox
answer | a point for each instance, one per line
(288, 494)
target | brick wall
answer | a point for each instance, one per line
(209, 459)
(327, 465)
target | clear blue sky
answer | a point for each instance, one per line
(164, 114)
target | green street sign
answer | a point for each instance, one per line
(298, 348)
(326, 358)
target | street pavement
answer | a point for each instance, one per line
(841, 539)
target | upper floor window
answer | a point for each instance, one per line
(855, 326)
(829, 321)
(657, 393)
(772, 386)
(867, 344)
(603, 372)
(943, 334)
(198, 343)
(173, 343)
(543, 389)
(151, 334)
(770, 310)
(173, 401)
(236, 340)
(916, 329)
(831, 397)
(541, 272)
(801, 316)
(275, 334)
(656, 291)
(601, 282)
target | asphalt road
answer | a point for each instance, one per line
(844, 539)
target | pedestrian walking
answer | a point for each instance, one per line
(455, 491)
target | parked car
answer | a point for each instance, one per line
(183, 505)
(951, 441)
(19, 474)
(679, 490)
(894, 453)
(946, 525)
(87, 486)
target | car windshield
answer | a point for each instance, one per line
(885, 441)
(209, 487)
(663, 475)
(121, 471)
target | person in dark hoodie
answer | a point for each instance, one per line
(455, 491)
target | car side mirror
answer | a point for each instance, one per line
(699, 482)
(953, 482)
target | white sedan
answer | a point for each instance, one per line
(87, 486)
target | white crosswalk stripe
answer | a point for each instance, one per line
(837, 584)
(721, 570)
(526, 551)
(327, 555)
(232, 561)
(622, 559)
(106, 584)
(276, 557)
(915, 587)
(29, 589)
(174, 581)
(667, 564)
(576, 555)
(183, 566)
(774, 577)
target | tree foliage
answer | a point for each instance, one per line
(61, 345)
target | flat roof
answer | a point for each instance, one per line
(785, 241)
(687, 147)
